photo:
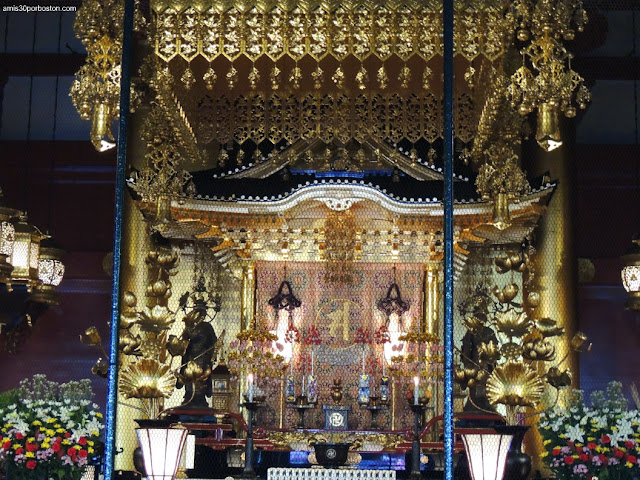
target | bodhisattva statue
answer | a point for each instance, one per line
(195, 373)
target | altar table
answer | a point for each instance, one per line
(328, 474)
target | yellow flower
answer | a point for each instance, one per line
(562, 435)
(578, 444)
(37, 423)
(614, 428)
(60, 430)
(95, 433)
(57, 425)
(90, 443)
(66, 441)
(31, 440)
(546, 442)
(544, 454)
(45, 445)
(51, 420)
(77, 447)
(30, 455)
(99, 415)
(50, 432)
(16, 446)
(90, 450)
(591, 439)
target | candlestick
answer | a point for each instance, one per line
(363, 359)
(312, 362)
(250, 386)
(416, 390)
(384, 371)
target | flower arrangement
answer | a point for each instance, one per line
(597, 442)
(49, 430)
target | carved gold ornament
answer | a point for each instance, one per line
(155, 319)
(513, 323)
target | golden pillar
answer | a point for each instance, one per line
(133, 278)
(248, 299)
(556, 268)
(431, 320)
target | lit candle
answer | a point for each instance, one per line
(250, 386)
(383, 366)
(416, 390)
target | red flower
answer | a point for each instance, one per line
(629, 444)
(556, 451)
(67, 435)
(603, 458)
(6, 445)
(31, 447)
(605, 439)
(568, 460)
(632, 459)
(618, 453)
(72, 452)
(31, 464)
(58, 439)
(55, 447)
(584, 457)
(82, 453)
(19, 436)
(19, 451)
(82, 441)
(592, 446)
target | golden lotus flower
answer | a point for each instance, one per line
(578, 341)
(488, 352)
(101, 368)
(193, 373)
(156, 319)
(549, 327)
(538, 350)
(91, 337)
(514, 384)
(513, 323)
(147, 378)
(511, 350)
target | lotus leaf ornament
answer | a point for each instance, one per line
(513, 323)
(91, 337)
(557, 378)
(514, 384)
(475, 322)
(147, 378)
(549, 327)
(155, 320)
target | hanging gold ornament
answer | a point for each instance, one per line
(295, 77)
(209, 78)
(404, 77)
(468, 75)
(362, 78)
(275, 72)
(425, 78)
(188, 79)
(383, 78)
(254, 77)
(338, 78)
(240, 157)
(223, 156)
(318, 78)
(232, 77)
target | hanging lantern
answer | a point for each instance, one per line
(486, 454)
(26, 253)
(50, 273)
(7, 238)
(161, 449)
(631, 275)
(548, 129)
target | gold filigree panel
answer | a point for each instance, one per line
(278, 117)
(361, 29)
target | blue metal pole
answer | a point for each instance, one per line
(112, 379)
(447, 23)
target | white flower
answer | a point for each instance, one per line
(575, 433)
